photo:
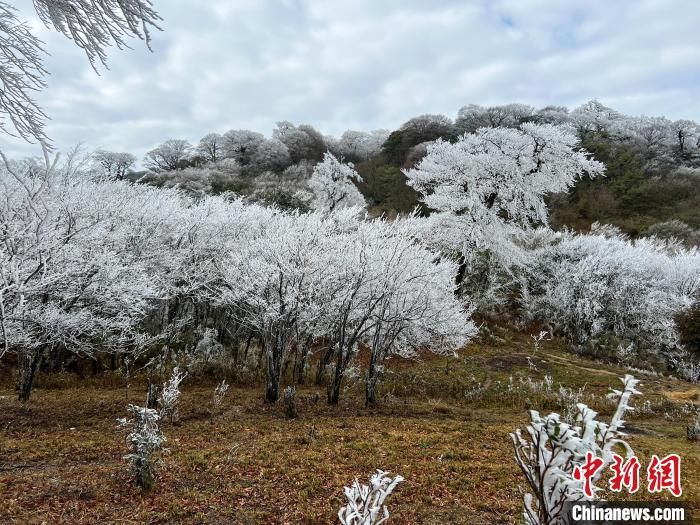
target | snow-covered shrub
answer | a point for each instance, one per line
(625, 353)
(290, 402)
(686, 366)
(366, 502)
(333, 184)
(220, 392)
(537, 340)
(603, 288)
(170, 396)
(551, 449)
(693, 428)
(674, 229)
(208, 347)
(145, 439)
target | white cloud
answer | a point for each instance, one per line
(364, 64)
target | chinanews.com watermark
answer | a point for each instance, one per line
(662, 475)
(619, 513)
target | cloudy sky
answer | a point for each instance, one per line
(367, 64)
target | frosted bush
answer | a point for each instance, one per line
(220, 392)
(145, 439)
(366, 502)
(551, 449)
(290, 402)
(170, 397)
(693, 429)
(593, 287)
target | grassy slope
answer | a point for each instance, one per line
(443, 424)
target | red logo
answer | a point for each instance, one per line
(665, 474)
(587, 471)
(625, 474)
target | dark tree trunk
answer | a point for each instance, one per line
(461, 274)
(323, 362)
(153, 395)
(273, 361)
(300, 370)
(372, 381)
(29, 364)
(334, 386)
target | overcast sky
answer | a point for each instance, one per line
(367, 64)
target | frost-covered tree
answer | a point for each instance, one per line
(211, 147)
(365, 504)
(78, 263)
(491, 184)
(303, 142)
(417, 307)
(170, 396)
(194, 181)
(220, 393)
(242, 144)
(594, 118)
(270, 282)
(93, 26)
(357, 146)
(171, 155)
(651, 136)
(589, 287)
(556, 115)
(271, 155)
(472, 117)
(114, 165)
(333, 185)
(550, 450)
(686, 137)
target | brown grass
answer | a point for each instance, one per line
(61, 455)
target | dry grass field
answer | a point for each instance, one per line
(442, 423)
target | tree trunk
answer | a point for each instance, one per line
(461, 274)
(372, 381)
(323, 362)
(28, 367)
(334, 386)
(273, 367)
(300, 377)
(153, 396)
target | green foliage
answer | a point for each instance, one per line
(384, 186)
(630, 196)
(689, 328)
(283, 199)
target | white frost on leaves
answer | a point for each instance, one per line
(145, 439)
(366, 502)
(490, 184)
(551, 448)
(170, 397)
(332, 184)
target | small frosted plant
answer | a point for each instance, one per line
(693, 429)
(366, 502)
(290, 403)
(145, 439)
(220, 392)
(553, 448)
(537, 340)
(170, 397)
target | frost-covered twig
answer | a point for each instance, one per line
(170, 397)
(552, 448)
(220, 392)
(366, 502)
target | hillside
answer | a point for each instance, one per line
(442, 423)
